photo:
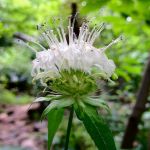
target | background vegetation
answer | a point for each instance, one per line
(131, 18)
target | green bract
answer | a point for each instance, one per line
(73, 83)
(72, 87)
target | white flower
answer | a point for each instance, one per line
(78, 53)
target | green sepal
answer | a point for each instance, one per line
(96, 127)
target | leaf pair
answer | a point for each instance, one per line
(93, 122)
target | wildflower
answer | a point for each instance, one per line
(70, 68)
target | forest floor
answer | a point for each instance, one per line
(18, 130)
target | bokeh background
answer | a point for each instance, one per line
(20, 128)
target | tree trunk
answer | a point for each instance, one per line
(132, 126)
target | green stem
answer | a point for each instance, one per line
(69, 127)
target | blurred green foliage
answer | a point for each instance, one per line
(11, 98)
(131, 18)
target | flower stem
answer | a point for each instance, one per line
(69, 127)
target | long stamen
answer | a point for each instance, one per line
(97, 33)
(91, 33)
(39, 45)
(46, 36)
(62, 32)
(60, 36)
(48, 40)
(55, 38)
(112, 43)
(71, 34)
(74, 37)
(50, 37)
(27, 44)
(81, 32)
(57, 28)
(86, 35)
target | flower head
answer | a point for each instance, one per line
(68, 65)
(78, 54)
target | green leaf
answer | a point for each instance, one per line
(56, 104)
(96, 127)
(49, 108)
(54, 119)
(97, 103)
